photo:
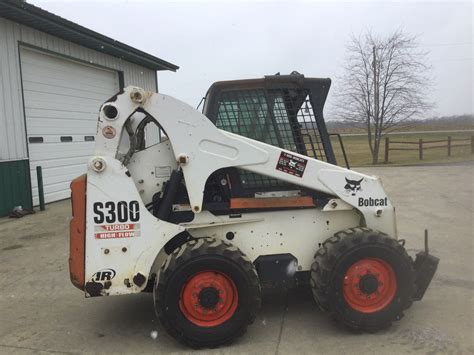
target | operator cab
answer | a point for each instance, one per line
(282, 110)
(285, 111)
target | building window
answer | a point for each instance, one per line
(35, 139)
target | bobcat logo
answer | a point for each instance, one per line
(353, 186)
(292, 164)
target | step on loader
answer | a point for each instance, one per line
(206, 209)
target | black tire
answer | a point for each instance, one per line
(335, 258)
(185, 264)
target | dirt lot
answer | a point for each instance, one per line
(41, 312)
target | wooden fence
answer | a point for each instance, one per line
(423, 145)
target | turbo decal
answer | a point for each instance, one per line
(291, 164)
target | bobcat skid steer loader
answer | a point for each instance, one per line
(206, 209)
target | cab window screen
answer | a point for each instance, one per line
(280, 117)
(247, 113)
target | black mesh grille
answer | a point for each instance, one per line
(283, 118)
(309, 130)
(297, 124)
(246, 113)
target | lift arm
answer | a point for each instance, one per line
(200, 149)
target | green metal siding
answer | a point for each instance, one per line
(15, 187)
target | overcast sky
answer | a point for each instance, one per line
(213, 41)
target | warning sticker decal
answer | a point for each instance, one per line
(291, 164)
(116, 231)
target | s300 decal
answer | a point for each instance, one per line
(112, 212)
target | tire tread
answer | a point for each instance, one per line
(330, 253)
(201, 247)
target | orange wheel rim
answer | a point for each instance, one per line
(369, 285)
(209, 298)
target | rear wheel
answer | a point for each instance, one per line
(363, 278)
(206, 293)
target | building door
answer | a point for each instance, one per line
(62, 100)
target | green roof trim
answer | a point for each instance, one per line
(42, 20)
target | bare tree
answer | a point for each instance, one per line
(384, 84)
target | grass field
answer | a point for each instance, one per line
(358, 152)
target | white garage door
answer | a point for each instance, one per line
(62, 99)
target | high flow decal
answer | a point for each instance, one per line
(117, 231)
(352, 186)
(291, 164)
(111, 212)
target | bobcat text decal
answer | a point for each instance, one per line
(370, 202)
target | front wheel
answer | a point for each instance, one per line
(206, 293)
(363, 278)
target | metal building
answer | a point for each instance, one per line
(54, 75)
